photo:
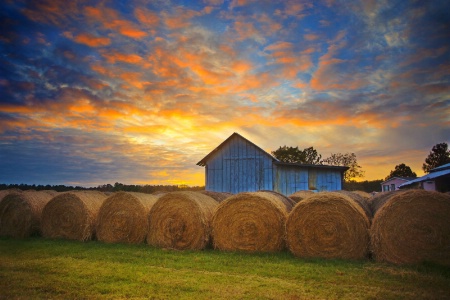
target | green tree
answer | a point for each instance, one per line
(311, 156)
(366, 186)
(439, 155)
(295, 155)
(401, 170)
(347, 160)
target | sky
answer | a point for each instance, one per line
(137, 92)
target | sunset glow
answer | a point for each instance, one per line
(137, 92)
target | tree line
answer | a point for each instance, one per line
(117, 187)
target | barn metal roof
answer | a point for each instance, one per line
(442, 171)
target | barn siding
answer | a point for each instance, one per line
(239, 167)
(289, 179)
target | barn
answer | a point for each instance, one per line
(238, 165)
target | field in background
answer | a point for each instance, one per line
(40, 268)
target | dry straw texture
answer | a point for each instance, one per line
(181, 220)
(252, 222)
(380, 199)
(3, 193)
(288, 202)
(361, 201)
(363, 194)
(20, 213)
(72, 215)
(328, 225)
(218, 196)
(123, 218)
(301, 195)
(411, 227)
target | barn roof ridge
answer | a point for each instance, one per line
(202, 162)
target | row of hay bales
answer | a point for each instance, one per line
(398, 227)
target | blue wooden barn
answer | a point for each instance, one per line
(237, 165)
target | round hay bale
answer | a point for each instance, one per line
(363, 194)
(218, 196)
(72, 215)
(380, 199)
(3, 193)
(288, 202)
(50, 192)
(252, 222)
(181, 220)
(123, 218)
(411, 227)
(20, 213)
(328, 225)
(301, 195)
(362, 202)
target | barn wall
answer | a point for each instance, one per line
(289, 179)
(238, 167)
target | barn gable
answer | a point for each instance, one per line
(237, 165)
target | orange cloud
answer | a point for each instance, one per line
(236, 3)
(245, 30)
(110, 19)
(310, 37)
(290, 63)
(180, 18)
(254, 81)
(278, 46)
(211, 77)
(332, 75)
(208, 9)
(113, 56)
(82, 106)
(100, 69)
(146, 17)
(91, 40)
(134, 79)
(268, 25)
(241, 66)
(126, 28)
(15, 109)
(294, 8)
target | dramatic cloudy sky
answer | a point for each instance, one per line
(95, 92)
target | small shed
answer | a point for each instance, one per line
(437, 180)
(392, 184)
(238, 165)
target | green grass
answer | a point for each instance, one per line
(39, 268)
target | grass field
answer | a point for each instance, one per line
(38, 268)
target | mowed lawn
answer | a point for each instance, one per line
(48, 269)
